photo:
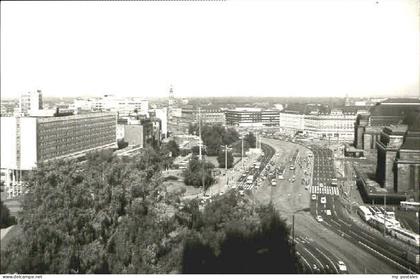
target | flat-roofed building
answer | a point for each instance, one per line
(368, 126)
(27, 141)
(398, 161)
(319, 121)
(249, 117)
(30, 102)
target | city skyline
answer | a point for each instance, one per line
(221, 49)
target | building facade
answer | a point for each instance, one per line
(30, 102)
(252, 117)
(398, 160)
(368, 127)
(122, 106)
(336, 124)
(291, 122)
(27, 141)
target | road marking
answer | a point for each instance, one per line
(314, 257)
(303, 258)
(338, 224)
(391, 260)
(332, 263)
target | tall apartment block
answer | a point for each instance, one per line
(30, 102)
(27, 141)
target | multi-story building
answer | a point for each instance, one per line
(139, 132)
(28, 141)
(398, 160)
(368, 127)
(252, 117)
(291, 122)
(123, 106)
(162, 114)
(390, 141)
(319, 122)
(336, 125)
(30, 102)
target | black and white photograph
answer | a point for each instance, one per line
(218, 137)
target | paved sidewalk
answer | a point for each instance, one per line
(5, 231)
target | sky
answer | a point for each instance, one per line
(223, 48)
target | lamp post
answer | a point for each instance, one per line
(226, 168)
(242, 153)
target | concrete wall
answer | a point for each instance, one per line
(133, 134)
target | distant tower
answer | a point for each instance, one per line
(347, 100)
(171, 100)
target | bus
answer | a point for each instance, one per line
(364, 213)
(406, 236)
(406, 205)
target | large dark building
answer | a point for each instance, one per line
(368, 127)
(398, 165)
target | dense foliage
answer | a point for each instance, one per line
(214, 136)
(198, 173)
(172, 147)
(231, 237)
(98, 217)
(6, 219)
(250, 140)
(112, 215)
(221, 159)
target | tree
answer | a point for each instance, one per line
(6, 219)
(250, 139)
(103, 216)
(196, 150)
(221, 158)
(244, 244)
(197, 171)
(122, 144)
(173, 147)
(230, 136)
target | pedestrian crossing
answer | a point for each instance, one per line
(326, 190)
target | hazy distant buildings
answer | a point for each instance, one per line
(27, 141)
(122, 106)
(30, 102)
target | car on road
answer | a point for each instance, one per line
(342, 267)
(241, 192)
(315, 268)
(319, 218)
(323, 200)
(313, 197)
(273, 182)
(328, 212)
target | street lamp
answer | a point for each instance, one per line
(226, 147)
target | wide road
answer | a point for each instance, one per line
(327, 199)
(324, 244)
